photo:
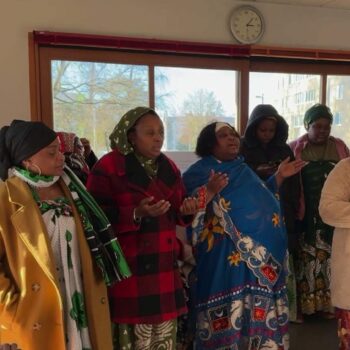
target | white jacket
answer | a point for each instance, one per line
(335, 211)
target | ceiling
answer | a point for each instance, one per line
(339, 4)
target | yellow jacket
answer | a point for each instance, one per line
(30, 303)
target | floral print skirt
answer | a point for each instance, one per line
(160, 336)
(313, 276)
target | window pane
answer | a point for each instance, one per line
(338, 92)
(89, 98)
(188, 99)
(290, 94)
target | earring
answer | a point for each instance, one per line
(37, 168)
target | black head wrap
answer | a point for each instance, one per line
(21, 140)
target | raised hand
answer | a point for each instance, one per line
(145, 208)
(217, 181)
(287, 169)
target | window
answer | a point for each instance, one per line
(339, 92)
(189, 98)
(85, 86)
(87, 92)
(89, 98)
(310, 96)
(291, 99)
(338, 89)
(337, 119)
(297, 121)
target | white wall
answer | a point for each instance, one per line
(192, 20)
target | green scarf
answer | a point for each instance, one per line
(99, 235)
(149, 164)
(101, 239)
(119, 138)
(119, 135)
(34, 180)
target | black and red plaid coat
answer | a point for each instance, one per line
(154, 293)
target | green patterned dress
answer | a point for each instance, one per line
(58, 218)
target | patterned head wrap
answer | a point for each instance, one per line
(74, 159)
(66, 141)
(315, 112)
(21, 140)
(119, 136)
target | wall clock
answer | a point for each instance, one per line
(247, 24)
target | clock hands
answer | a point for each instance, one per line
(249, 23)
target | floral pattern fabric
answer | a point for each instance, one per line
(158, 336)
(241, 251)
(313, 266)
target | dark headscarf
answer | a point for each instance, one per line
(119, 135)
(21, 140)
(259, 113)
(315, 112)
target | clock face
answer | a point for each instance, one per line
(247, 25)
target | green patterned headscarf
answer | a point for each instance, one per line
(315, 112)
(119, 138)
(119, 135)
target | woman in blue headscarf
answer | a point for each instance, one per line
(240, 247)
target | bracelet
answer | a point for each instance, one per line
(137, 219)
(202, 197)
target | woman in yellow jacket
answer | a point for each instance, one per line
(56, 249)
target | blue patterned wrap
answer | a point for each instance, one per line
(241, 249)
